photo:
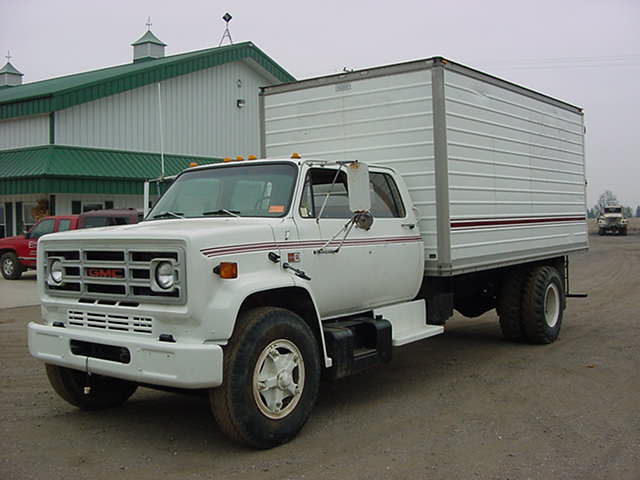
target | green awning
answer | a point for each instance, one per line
(54, 169)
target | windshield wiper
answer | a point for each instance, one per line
(223, 211)
(169, 214)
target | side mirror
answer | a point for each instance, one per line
(358, 184)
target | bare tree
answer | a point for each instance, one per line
(605, 198)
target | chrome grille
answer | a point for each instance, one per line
(109, 321)
(116, 273)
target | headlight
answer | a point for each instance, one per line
(56, 272)
(165, 276)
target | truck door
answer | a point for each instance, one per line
(366, 270)
(39, 229)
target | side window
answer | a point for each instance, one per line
(64, 224)
(42, 228)
(385, 197)
(325, 187)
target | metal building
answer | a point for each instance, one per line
(88, 140)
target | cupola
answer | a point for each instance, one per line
(148, 47)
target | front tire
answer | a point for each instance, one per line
(271, 378)
(106, 392)
(543, 303)
(11, 267)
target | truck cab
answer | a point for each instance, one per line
(612, 220)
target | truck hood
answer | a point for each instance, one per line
(197, 232)
(11, 240)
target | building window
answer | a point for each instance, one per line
(88, 207)
(27, 215)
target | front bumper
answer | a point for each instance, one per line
(179, 365)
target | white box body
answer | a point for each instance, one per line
(496, 171)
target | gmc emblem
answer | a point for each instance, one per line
(105, 272)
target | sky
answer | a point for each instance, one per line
(585, 52)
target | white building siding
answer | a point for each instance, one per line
(24, 132)
(200, 115)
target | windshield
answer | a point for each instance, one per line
(613, 210)
(246, 190)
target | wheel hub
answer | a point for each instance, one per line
(7, 266)
(278, 379)
(551, 305)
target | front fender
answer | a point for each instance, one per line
(225, 305)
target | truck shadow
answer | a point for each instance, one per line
(185, 422)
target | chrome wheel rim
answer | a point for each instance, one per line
(278, 379)
(552, 305)
(7, 266)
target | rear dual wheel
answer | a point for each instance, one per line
(530, 305)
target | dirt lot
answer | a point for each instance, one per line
(463, 405)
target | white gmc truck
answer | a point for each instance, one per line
(425, 187)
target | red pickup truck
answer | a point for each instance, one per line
(18, 253)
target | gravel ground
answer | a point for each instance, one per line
(463, 405)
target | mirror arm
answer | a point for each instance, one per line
(326, 197)
(346, 229)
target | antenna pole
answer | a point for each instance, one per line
(227, 34)
(161, 132)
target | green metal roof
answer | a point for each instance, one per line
(149, 37)
(64, 169)
(63, 92)
(8, 68)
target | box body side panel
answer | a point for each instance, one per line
(385, 120)
(516, 175)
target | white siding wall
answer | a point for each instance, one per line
(199, 110)
(511, 157)
(384, 120)
(24, 132)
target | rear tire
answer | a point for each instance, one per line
(271, 378)
(509, 306)
(543, 302)
(601, 231)
(11, 267)
(624, 231)
(106, 392)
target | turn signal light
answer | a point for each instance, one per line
(295, 155)
(227, 270)
(193, 164)
(239, 158)
(252, 157)
(226, 159)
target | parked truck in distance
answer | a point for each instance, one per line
(612, 220)
(431, 187)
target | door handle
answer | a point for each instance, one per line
(410, 226)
